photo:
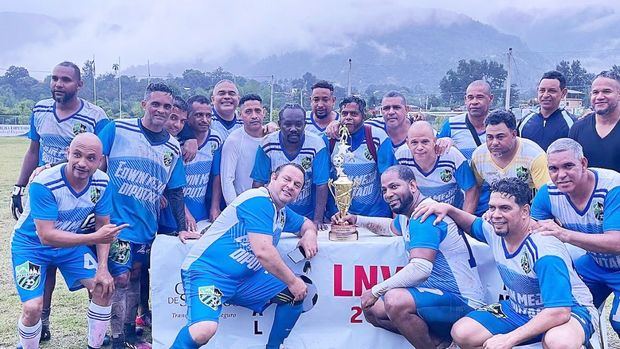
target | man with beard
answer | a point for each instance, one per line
(599, 133)
(438, 286)
(467, 131)
(53, 125)
(292, 144)
(322, 102)
(585, 203)
(506, 155)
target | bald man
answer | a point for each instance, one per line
(68, 210)
(444, 177)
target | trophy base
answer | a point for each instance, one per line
(343, 232)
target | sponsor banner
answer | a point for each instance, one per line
(341, 272)
(14, 130)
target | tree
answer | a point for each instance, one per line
(577, 77)
(616, 69)
(454, 84)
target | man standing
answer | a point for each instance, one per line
(467, 131)
(236, 261)
(441, 177)
(599, 133)
(292, 144)
(551, 122)
(68, 210)
(438, 286)
(586, 202)
(322, 102)
(239, 150)
(143, 161)
(394, 120)
(225, 99)
(53, 125)
(506, 155)
(548, 301)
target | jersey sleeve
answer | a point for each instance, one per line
(478, 230)
(293, 222)
(101, 124)
(385, 156)
(177, 178)
(426, 235)
(555, 287)
(42, 203)
(541, 205)
(227, 170)
(320, 168)
(217, 160)
(104, 205)
(257, 215)
(464, 175)
(540, 172)
(445, 130)
(474, 169)
(33, 134)
(107, 137)
(611, 216)
(262, 166)
(397, 226)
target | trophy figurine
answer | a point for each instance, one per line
(342, 190)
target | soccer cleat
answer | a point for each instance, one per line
(46, 335)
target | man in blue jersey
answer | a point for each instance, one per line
(236, 261)
(292, 144)
(438, 286)
(548, 301)
(441, 177)
(143, 161)
(322, 101)
(371, 154)
(586, 203)
(53, 125)
(68, 209)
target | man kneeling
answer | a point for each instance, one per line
(236, 261)
(439, 285)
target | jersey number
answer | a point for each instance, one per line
(89, 262)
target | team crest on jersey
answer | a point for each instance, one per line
(213, 148)
(525, 263)
(210, 296)
(120, 251)
(306, 162)
(367, 154)
(523, 173)
(446, 175)
(168, 158)
(282, 218)
(598, 211)
(495, 309)
(95, 194)
(78, 128)
(28, 275)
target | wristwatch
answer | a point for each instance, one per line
(18, 190)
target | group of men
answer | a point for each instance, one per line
(523, 188)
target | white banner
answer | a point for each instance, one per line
(14, 130)
(341, 272)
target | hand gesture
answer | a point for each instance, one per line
(107, 233)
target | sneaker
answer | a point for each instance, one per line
(106, 340)
(144, 320)
(46, 335)
(118, 343)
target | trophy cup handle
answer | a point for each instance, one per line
(330, 186)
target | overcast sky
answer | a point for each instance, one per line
(186, 30)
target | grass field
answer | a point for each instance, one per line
(68, 319)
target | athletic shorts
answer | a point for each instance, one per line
(30, 267)
(124, 254)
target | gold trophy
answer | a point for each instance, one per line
(342, 190)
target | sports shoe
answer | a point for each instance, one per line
(118, 343)
(46, 335)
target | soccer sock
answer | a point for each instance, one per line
(29, 335)
(98, 319)
(45, 316)
(117, 319)
(184, 340)
(285, 318)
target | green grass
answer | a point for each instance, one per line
(68, 319)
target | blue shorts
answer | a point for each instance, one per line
(601, 282)
(124, 254)
(439, 309)
(205, 293)
(500, 318)
(30, 267)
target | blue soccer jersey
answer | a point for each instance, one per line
(55, 135)
(312, 157)
(379, 122)
(365, 172)
(550, 203)
(456, 128)
(454, 268)
(313, 127)
(538, 275)
(445, 182)
(139, 173)
(51, 198)
(224, 249)
(225, 127)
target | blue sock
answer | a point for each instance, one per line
(184, 340)
(285, 318)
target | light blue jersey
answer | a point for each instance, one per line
(454, 269)
(446, 181)
(365, 172)
(139, 173)
(55, 135)
(456, 128)
(550, 203)
(379, 122)
(225, 127)
(312, 157)
(313, 127)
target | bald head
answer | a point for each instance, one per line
(480, 85)
(88, 140)
(421, 129)
(83, 159)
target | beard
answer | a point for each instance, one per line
(66, 97)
